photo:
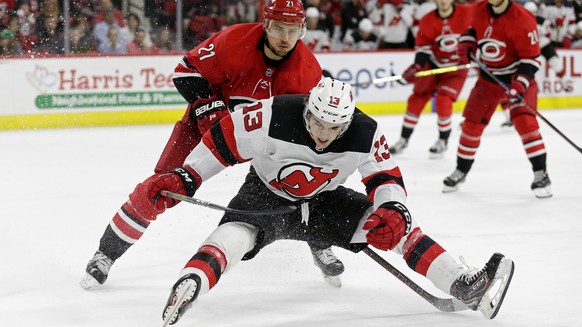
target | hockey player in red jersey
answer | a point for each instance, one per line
(436, 46)
(301, 149)
(509, 51)
(241, 64)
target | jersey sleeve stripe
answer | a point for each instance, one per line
(392, 176)
(223, 143)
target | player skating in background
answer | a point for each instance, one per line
(302, 148)
(239, 65)
(548, 51)
(509, 51)
(436, 46)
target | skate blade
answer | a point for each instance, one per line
(542, 192)
(333, 280)
(435, 155)
(88, 282)
(172, 312)
(450, 189)
(492, 300)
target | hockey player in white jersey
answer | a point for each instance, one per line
(301, 149)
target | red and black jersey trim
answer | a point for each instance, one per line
(221, 146)
(380, 179)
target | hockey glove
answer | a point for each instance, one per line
(409, 75)
(517, 88)
(208, 112)
(387, 225)
(467, 47)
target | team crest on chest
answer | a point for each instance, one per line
(301, 180)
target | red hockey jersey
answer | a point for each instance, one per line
(509, 42)
(438, 38)
(232, 62)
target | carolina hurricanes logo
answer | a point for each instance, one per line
(448, 42)
(492, 50)
(301, 180)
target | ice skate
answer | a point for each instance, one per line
(485, 289)
(331, 267)
(541, 185)
(399, 146)
(507, 123)
(452, 182)
(184, 293)
(438, 149)
(97, 270)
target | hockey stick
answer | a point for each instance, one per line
(422, 73)
(277, 211)
(484, 69)
(446, 305)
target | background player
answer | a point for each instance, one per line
(509, 51)
(238, 65)
(436, 46)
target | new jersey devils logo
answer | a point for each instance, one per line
(302, 180)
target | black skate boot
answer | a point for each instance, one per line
(438, 149)
(451, 182)
(97, 270)
(485, 289)
(184, 293)
(331, 267)
(541, 185)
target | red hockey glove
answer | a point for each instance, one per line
(146, 197)
(517, 87)
(208, 112)
(467, 47)
(387, 225)
(409, 74)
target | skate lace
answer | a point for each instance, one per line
(471, 273)
(539, 175)
(102, 262)
(457, 175)
(326, 256)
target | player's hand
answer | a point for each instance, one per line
(208, 112)
(467, 47)
(409, 75)
(387, 225)
(146, 197)
(517, 88)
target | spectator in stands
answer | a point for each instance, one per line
(113, 44)
(421, 8)
(577, 38)
(394, 19)
(50, 38)
(352, 13)
(101, 29)
(85, 8)
(138, 46)
(325, 18)
(104, 7)
(13, 24)
(362, 39)
(81, 39)
(315, 39)
(7, 45)
(132, 25)
(27, 20)
(564, 23)
(165, 41)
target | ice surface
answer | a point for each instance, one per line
(60, 188)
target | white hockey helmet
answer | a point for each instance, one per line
(331, 101)
(531, 7)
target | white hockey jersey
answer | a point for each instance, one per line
(271, 135)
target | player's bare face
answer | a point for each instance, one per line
(444, 5)
(323, 133)
(282, 37)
